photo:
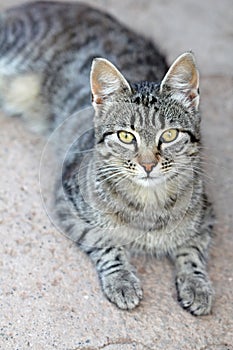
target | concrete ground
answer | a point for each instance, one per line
(49, 293)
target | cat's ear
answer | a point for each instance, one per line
(106, 81)
(182, 81)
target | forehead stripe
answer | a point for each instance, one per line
(162, 121)
(132, 120)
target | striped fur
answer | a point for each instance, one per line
(115, 196)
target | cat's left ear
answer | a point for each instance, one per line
(182, 81)
(106, 81)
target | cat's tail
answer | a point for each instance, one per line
(20, 79)
(23, 65)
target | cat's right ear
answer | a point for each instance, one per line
(107, 83)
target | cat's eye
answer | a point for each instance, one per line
(169, 135)
(126, 136)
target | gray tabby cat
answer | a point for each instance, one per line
(140, 185)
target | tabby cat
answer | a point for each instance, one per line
(133, 180)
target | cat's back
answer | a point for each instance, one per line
(48, 48)
(45, 31)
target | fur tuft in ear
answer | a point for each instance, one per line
(106, 81)
(182, 81)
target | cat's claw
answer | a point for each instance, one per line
(195, 294)
(123, 289)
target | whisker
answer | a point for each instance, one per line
(196, 170)
(110, 177)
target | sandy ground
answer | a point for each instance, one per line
(49, 293)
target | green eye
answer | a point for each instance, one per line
(169, 135)
(125, 136)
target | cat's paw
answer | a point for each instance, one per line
(123, 289)
(195, 293)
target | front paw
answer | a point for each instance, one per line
(195, 293)
(123, 289)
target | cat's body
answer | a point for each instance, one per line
(140, 186)
(61, 43)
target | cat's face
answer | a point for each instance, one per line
(147, 133)
(155, 148)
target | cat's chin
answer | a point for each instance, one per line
(149, 181)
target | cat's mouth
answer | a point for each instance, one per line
(149, 180)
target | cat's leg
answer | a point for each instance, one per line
(118, 280)
(117, 277)
(194, 289)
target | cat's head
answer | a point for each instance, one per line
(146, 132)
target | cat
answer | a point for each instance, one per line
(133, 181)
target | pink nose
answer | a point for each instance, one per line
(149, 166)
